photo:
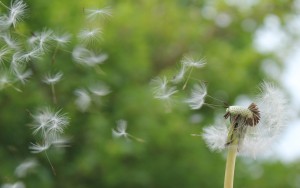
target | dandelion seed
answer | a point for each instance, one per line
(35, 53)
(100, 89)
(92, 14)
(120, 130)
(41, 40)
(89, 35)
(61, 40)
(159, 84)
(22, 170)
(53, 79)
(57, 123)
(3, 52)
(192, 63)
(83, 99)
(10, 42)
(161, 90)
(38, 148)
(180, 76)
(5, 79)
(20, 72)
(86, 57)
(16, 12)
(197, 98)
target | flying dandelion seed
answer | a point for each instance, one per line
(120, 131)
(196, 100)
(93, 14)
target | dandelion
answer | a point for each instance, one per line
(197, 97)
(251, 129)
(89, 35)
(86, 57)
(120, 131)
(92, 14)
(83, 99)
(22, 170)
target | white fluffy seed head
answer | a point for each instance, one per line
(274, 113)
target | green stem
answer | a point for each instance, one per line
(230, 165)
(53, 94)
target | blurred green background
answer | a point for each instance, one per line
(143, 39)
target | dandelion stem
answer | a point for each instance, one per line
(53, 94)
(4, 5)
(230, 165)
(53, 170)
(187, 79)
(136, 138)
(54, 54)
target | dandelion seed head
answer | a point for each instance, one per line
(274, 109)
(273, 112)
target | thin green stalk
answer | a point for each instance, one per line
(230, 166)
(53, 94)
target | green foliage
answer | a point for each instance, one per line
(143, 39)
